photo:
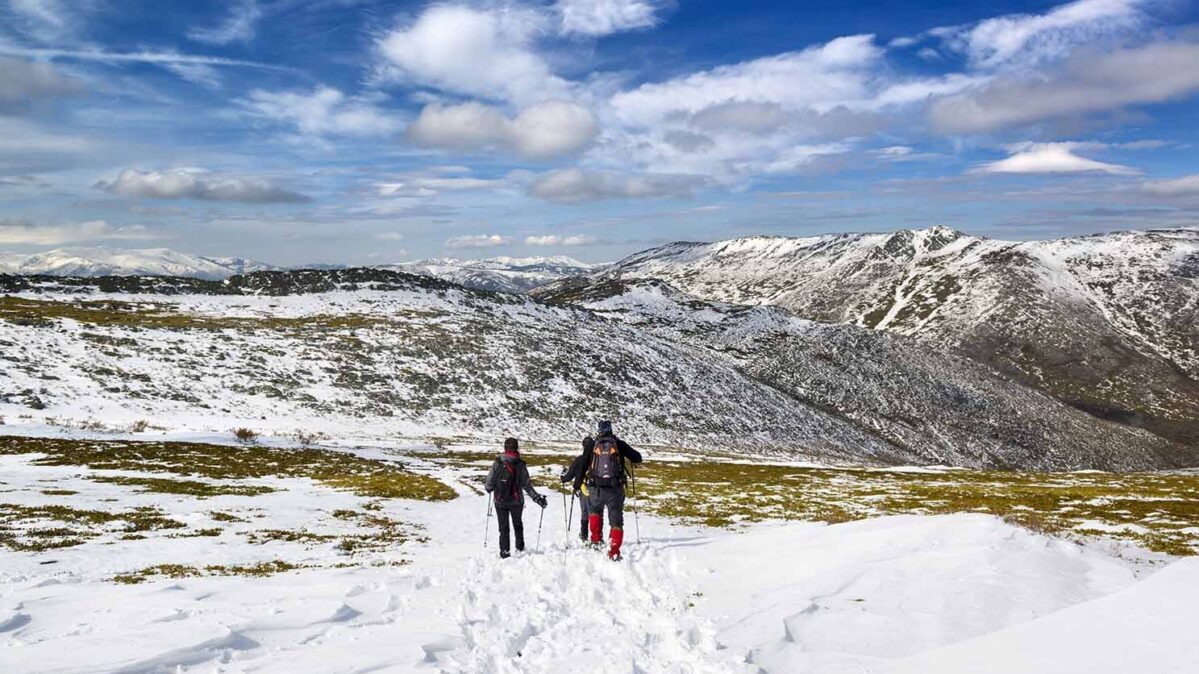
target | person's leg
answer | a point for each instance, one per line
(616, 522)
(501, 516)
(595, 506)
(518, 526)
(583, 515)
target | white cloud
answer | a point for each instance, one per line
(1032, 38)
(196, 73)
(239, 26)
(18, 233)
(49, 20)
(1051, 158)
(818, 78)
(1186, 186)
(604, 17)
(389, 236)
(486, 53)
(151, 57)
(323, 111)
(575, 185)
(184, 183)
(1087, 84)
(555, 240)
(24, 83)
(542, 131)
(478, 241)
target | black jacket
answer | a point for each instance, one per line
(521, 482)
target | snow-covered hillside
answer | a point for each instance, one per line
(504, 274)
(1106, 323)
(259, 584)
(408, 355)
(100, 261)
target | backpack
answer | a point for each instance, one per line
(506, 488)
(607, 467)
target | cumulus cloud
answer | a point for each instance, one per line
(184, 183)
(1086, 84)
(575, 185)
(604, 17)
(541, 131)
(1032, 38)
(1051, 158)
(555, 240)
(486, 53)
(240, 26)
(24, 83)
(20, 233)
(477, 241)
(323, 111)
(1186, 186)
(819, 78)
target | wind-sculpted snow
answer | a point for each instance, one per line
(1106, 323)
(942, 407)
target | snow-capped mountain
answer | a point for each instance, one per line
(102, 261)
(1106, 323)
(503, 274)
(407, 355)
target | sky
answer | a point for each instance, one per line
(367, 132)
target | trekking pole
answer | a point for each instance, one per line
(636, 520)
(487, 522)
(539, 521)
(571, 515)
(564, 510)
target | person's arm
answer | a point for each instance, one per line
(527, 483)
(628, 452)
(489, 485)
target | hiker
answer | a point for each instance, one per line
(507, 479)
(577, 474)
(605, 482)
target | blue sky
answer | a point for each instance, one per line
(353, 131)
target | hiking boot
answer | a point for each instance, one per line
(504, 554)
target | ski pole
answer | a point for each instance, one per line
(636, 519)
(571, 515)
(539, 521)
(564, 510)
(487, 522)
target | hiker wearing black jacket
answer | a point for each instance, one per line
(576, 475)
(605, 482)
(507, 482)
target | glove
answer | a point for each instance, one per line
(562, 478)
(540, 500)
(578, 493)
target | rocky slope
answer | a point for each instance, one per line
(1105, 323)
(398, 354)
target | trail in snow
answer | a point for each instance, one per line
(570, 608)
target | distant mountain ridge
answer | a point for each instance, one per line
(502, 274)
(102, 261)
(1106, 323)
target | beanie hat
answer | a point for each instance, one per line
(510, 445)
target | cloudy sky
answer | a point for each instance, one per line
(360, 131)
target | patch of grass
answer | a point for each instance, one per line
(259, 570)
(21, 530)
(1162, 507)
(162, 485)
(340, 470)
(287, 535)
(59, 492)
(245, 435)
(221, 516)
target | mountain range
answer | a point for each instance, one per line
(1106, 323)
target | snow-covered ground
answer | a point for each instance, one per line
(899, 594)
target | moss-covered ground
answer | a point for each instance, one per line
(1157, 511)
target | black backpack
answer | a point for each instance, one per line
(507, 490)
(607, 465)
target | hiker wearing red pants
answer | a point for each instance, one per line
(606, 482)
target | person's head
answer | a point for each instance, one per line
(604, 428)
(511, 446)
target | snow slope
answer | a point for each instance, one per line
(870, 596)
(503, 274)
(102, 261)
(1105, 322)
(332, 351)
